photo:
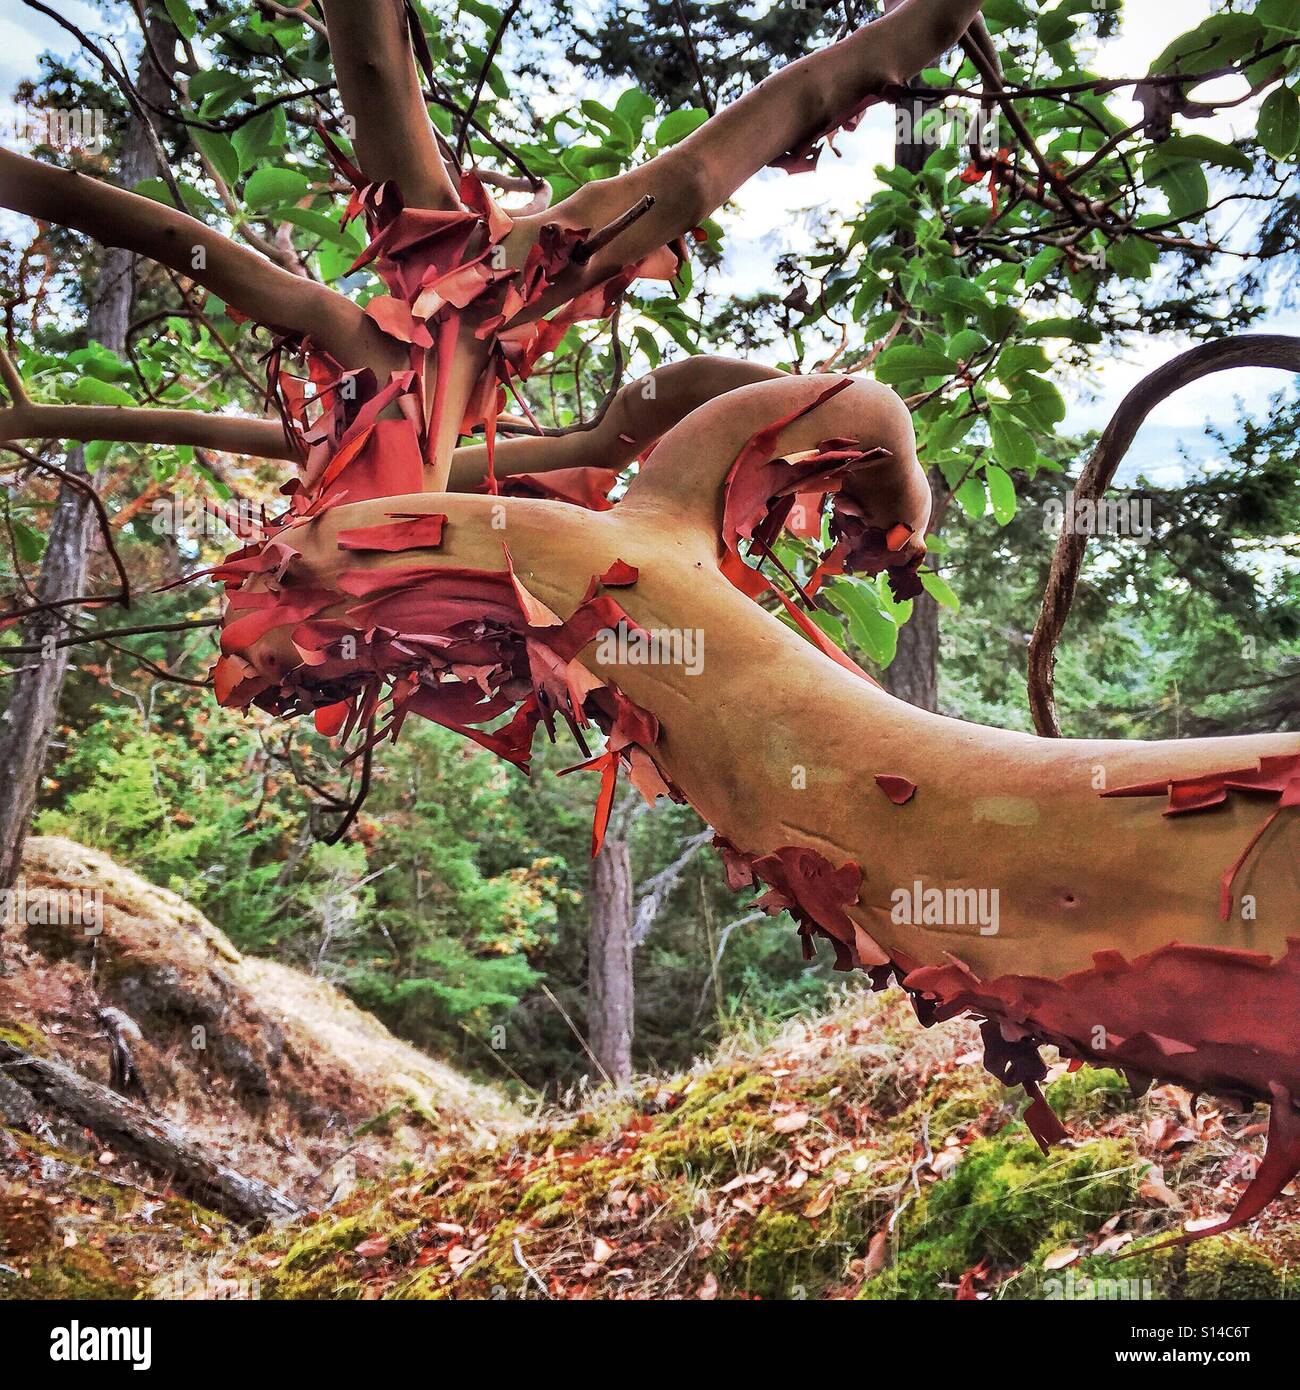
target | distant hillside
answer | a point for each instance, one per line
(269, 1071)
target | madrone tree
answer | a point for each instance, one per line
(1128, 903)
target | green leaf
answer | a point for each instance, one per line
(611, 121)
(155, 189)
(219, 152)
(871, 630)
(270, 186)
(907, 361)
(1002, 492)
(1281, 14)
(938, 589)
(677, 125)
(1038, 402)
(1018, 359)
(182, 17)
(1074, 329)
(98, 361)
(1279, 122)
(1040, 266)
(89, 390)
(636, 108)
(646, 342)
(1200, 149)
(29, 544)
(972, 497)
(945, 431)
(1012, 444)
(259, 137)
(327, 228)
(1215, 42)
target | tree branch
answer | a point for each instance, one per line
(1246, 350)
(232, 434)
(786, 112)
(639, 414)
(370, 45)
(242, 278)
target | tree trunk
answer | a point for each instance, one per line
(610, 996)
(913, 675)
(132, 1129)
(28, 721)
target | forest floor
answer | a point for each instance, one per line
(855, 1155)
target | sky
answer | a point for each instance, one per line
(768, 217)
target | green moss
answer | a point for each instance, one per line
(79, 1273)
(319, 1263)
(953, 1098)
(1089, 1093)
(999, 1206)
(25, 1036)
(1227, 1268)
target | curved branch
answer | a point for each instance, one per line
(370, 45)
(786, 112)
(682, 483)
(242, 278)
(1247, 350)
(639, 414)
(232, 434)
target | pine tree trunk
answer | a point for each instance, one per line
(610, 991)
(28, 721)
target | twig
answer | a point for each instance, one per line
(573, 1028)
(528, 1269)
(488, 59)
(585, 250)
(104, 634)
(694, 56)
(13, 380)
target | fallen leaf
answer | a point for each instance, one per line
(877, 1255)
(601, 1251)
(372, 1247)
(1058, 1259)
(1154, 1189)
(708, 1290)
(788, 1124)
(821, 1201)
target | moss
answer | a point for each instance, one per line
(1089, 1093)
(1225, 1268)
(958, 1097)
(318, 1264)
(79, 1273)
(999, 1206)
(27, 1037)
